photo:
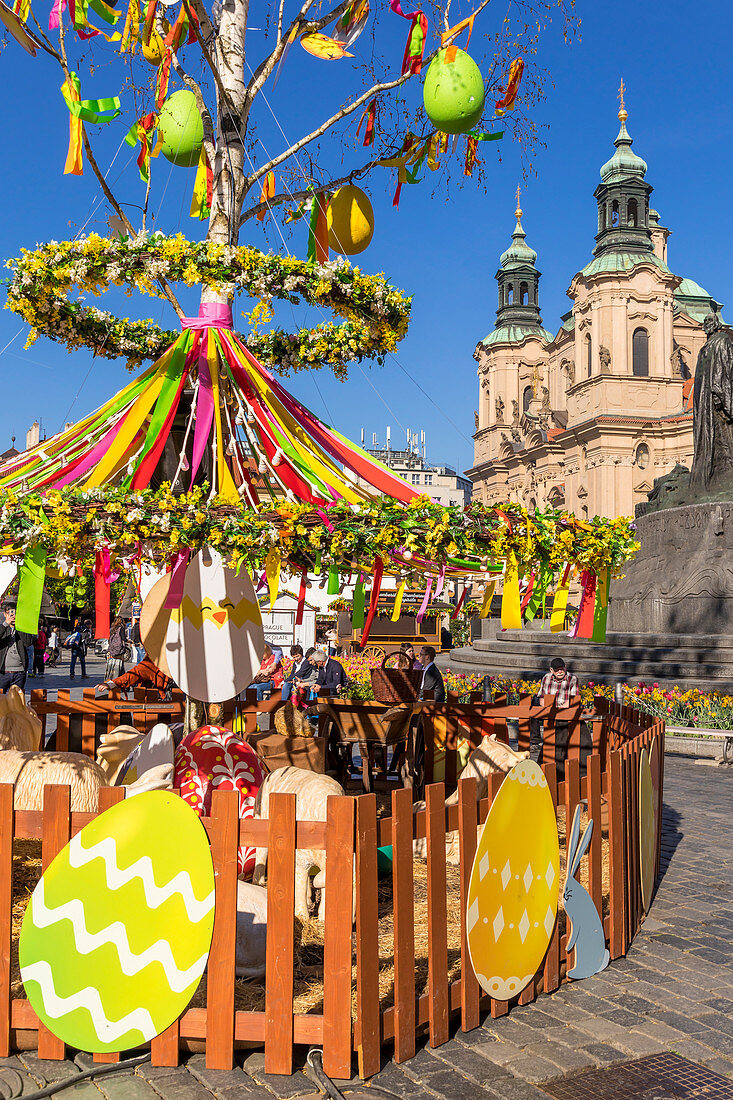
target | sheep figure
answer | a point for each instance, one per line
(490, 757)
(312, 792)
(30, 770)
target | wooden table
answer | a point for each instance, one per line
(350, 722)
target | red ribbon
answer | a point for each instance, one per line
(301, 599)
(528, 593)
(376, 587)
(179, 561)
(459, 605)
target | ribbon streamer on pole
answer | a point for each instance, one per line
(376, 587)
(83, 110)
(511, 614)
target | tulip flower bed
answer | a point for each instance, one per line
(690, 709)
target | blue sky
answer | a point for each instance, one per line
(443, 250)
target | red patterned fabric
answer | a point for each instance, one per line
(211, 759)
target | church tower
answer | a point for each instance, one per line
(623, 198)
(518, 281)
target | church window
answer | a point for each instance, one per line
(632, 215)
(640, 353)
(614, 212)
(523, 294)
(510, 294)
(527, 396)
(641, 459)
(589, 354)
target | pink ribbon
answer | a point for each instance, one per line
(178, 575)
(54, 18)
(441, 581)
(424, 604)
(204, 408)
(211, 315)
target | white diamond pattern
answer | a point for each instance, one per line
(549, 921)
(550, 875)
(498, 923)
(483, 866)
(523, 926)
(506, 874)
(472, 915)
(528, 876)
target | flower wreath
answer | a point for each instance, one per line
(376, 314)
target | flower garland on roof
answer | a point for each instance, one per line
(411, 540)
(376, 315)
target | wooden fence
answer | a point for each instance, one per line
(351, 836)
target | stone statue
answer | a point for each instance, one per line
(605, 357)
(475, 419)
(515, 412)
(499, 410)
(545, 399)
(568, 366)
(713, 408)
(679, 366)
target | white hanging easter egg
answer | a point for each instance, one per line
(513, 891)
(117, 932)
(214, 642)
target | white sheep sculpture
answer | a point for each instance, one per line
(30, 770)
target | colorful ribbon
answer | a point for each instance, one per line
(511, 614)
(83, 110)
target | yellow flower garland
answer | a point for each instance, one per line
(376, 315)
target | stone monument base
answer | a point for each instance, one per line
(681, 580)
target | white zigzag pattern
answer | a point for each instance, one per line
(88, 998)
(143, 869)
(115, 933)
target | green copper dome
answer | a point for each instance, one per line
(613, 262)
(518, 251)
(624, 163)
(515, 334)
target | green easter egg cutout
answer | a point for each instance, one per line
(453, 93)
(181, 129)
(117, 932)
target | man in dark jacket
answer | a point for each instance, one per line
(301, 670)
(431, 678)
(13, 650)
(331, 673)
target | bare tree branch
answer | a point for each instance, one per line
(300, 196)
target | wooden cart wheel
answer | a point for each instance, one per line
(376, 651)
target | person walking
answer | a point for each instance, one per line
(54, 648)
(39, 651)
(13, 650)
(116, 649)
(138, 650)
(75, 642)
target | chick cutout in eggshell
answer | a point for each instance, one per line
(214, 642)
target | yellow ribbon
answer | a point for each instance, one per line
(227, 488)
(398, 602)
(74, 162)
(511, 609)
(131, 33)
(488, 597)
(272, 572)
(559, 606)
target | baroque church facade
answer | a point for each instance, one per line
(588, 418)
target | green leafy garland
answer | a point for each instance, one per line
(376, 314)
(148, 526)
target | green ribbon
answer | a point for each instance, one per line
(90, 110)
(30, 590)
(538, 595)
(167, 395)
(357, 605)
(333, 581)
(486, 135)
(600, 612)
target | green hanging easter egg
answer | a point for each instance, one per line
(69, 592)
(453, 93)
(181, 129)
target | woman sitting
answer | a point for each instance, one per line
(270, 675)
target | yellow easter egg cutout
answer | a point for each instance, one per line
(214, 642)
(513, 891)
(647, 830)
(117, 932)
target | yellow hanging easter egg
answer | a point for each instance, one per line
(513, 892)
(350, 221)
(153, 47)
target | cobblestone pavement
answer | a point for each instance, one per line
(674, 991)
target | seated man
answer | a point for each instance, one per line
(431, 677)
(331, 673)
(565, 687)
(301, 670)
